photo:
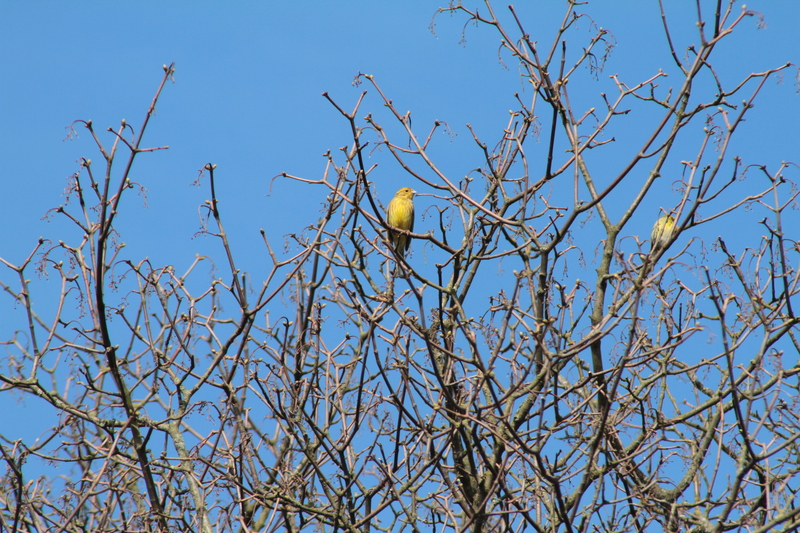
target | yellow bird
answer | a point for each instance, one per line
(400, 215)
(662, 231)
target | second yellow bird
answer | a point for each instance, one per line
(400, 215)
(662, 231)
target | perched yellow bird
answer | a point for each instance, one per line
(662, 231)
(400, 215)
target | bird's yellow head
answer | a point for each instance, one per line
(405, 192)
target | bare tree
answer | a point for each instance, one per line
(508, 382)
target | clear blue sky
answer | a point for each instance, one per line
(246, 97)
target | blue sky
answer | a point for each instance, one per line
(247, 94)
(247, 97)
